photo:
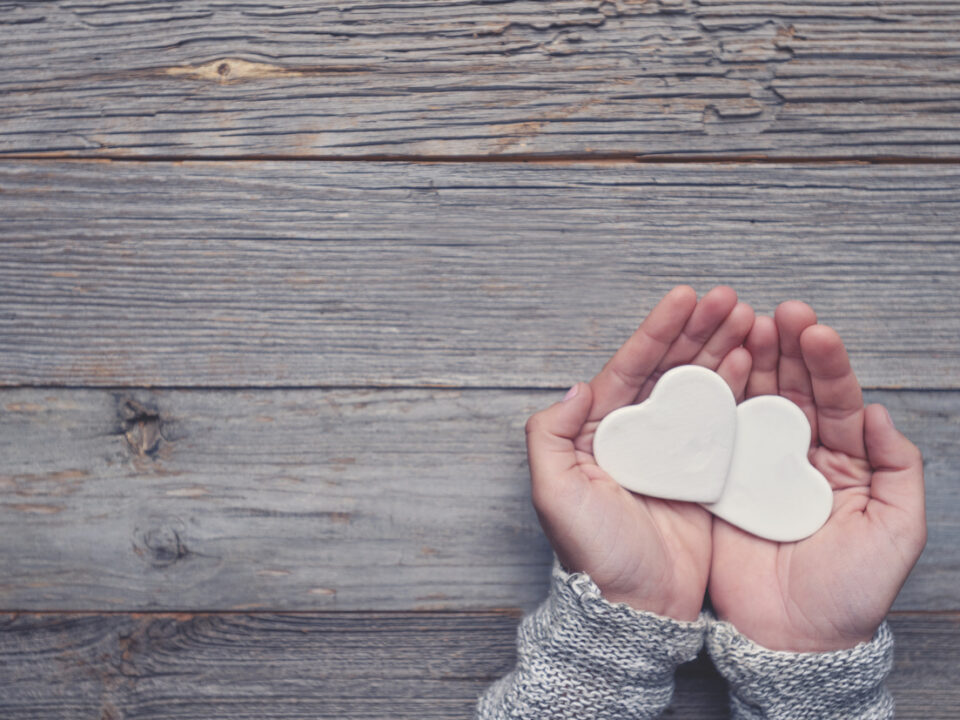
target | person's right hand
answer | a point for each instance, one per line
(650, 553)
(831, 590)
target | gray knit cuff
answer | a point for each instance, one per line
(777, 685)
(580, 656)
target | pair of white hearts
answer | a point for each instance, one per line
(744, 463)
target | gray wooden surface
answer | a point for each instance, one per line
(511, 275)
(319, 499)
(279, 287)
(791, 78)
(306, 666)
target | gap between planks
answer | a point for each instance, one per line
(516, 613)
(328, 387)
(544, 159)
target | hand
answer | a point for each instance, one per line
(649, 553)
(833, 589)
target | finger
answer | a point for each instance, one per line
(731, 334)
(735, 369)
(764, 347)
(897, 483)
(618, 383)
(836, 392)
(554, 470)
(705, 320)
(793, 379)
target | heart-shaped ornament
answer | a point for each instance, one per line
(678, 443)
(772, 490)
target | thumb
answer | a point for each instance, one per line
(550, 448)
(897, 482)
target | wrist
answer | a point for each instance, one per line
(654, 594)
(787, 639)
(687, 610)
(683, 610)
(808, 644)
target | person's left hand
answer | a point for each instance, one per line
(650, 553)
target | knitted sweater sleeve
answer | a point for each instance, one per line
(582, 657)
(774, 685)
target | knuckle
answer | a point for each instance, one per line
(534, 423)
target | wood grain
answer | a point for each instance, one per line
(348, 79)
(340, 665)
(319, 499)
(506, 275)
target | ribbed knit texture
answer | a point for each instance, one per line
(775, 685)
(582, 657)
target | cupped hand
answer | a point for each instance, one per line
(650, 553)
(833, 589)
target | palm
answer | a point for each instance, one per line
(653, 554)
(641, 543)
(798, 590)
(832, 589)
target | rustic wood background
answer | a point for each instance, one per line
(280, 283)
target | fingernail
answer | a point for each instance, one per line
(572, 392)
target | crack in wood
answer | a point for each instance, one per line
(234, 70)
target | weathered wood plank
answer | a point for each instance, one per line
(313, 499)
(343, 666)
(529, 275)
(343, 79)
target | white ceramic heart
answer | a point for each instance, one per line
(678, 443)
(772, 490)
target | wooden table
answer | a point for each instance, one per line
(280, 283)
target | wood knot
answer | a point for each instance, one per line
(161, 546)
(142, 427)
(110, 712)
(223, 69)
